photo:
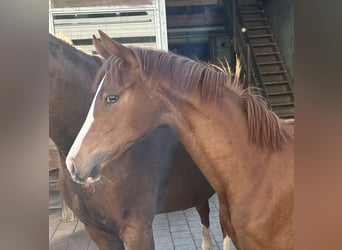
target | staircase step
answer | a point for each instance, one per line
(270, 63)
(263, 44)
(260, 36)
(51, 181)
(246, 12)
(276, 83)
(53, 184)
(259, 27)
(268, 53)
(248, 4)
(254, 19)
(273, 73)
(286, 116)
(52, 207)
(280, 93)
(54, 187)
(282, 104)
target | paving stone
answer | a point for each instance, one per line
(186, 247)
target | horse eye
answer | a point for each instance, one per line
(112, 99)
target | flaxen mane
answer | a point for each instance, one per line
(185, 75)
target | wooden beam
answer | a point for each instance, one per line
(177, 3)
(195, 20)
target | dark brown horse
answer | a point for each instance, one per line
(244, 150)
(155, 176)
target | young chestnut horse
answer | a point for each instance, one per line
(244, 150)
(155, 176)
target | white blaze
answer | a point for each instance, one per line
(207, 244)
(85, 128)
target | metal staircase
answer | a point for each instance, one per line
(264, 65)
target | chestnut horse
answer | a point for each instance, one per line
(154, 176)
(243, 149)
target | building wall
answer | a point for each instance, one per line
(281, 17)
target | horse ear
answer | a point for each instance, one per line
(118, 49)
(99, 48)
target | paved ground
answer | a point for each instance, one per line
(178, 230)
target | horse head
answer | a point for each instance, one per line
(122, 111)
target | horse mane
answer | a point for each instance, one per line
(265, 129)
(184, 75)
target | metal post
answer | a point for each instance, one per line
(51, 26)
(234, 26)
(249, 71)
(161, 26)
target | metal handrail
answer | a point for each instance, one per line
(238, 47)
(242, 45)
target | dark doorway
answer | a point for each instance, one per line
(197, 51)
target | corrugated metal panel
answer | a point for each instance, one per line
(148, 17)
(80, 26)
(90, 48)
(139, 25)
(92, 3)
(86, 31)
(114, 27)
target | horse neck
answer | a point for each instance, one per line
(215, 135)
(70, 78)
(217, 138)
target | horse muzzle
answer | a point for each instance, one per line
(83, 178)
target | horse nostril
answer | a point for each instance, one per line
(95, 172)
(71, 167)
(73, 171)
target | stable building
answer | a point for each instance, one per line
(259, 33)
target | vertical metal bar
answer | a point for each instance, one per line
(51, 24)
(234, 26)
(160, 25)
(213, 51)
(248, 64)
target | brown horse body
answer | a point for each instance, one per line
(154, 176)
(242, 148)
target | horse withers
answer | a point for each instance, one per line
(155, 176)
(243, 149)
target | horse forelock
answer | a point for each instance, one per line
(111, 67)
